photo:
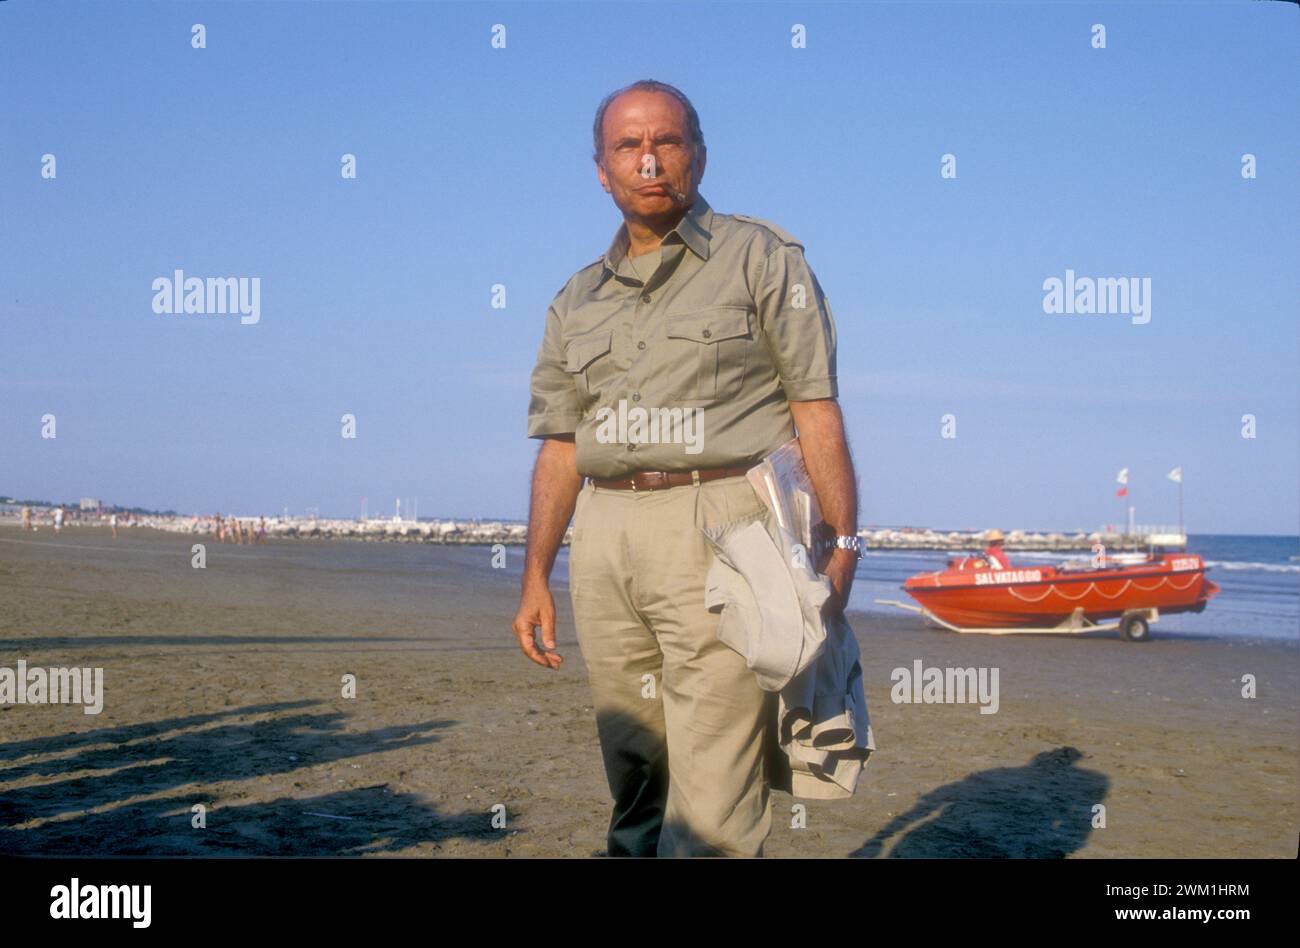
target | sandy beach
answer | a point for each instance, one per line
(223, 688)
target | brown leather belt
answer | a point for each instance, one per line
(658, 480)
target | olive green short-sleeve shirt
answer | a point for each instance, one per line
(694, 367)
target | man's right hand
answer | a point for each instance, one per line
(556, 483)
(537, 609)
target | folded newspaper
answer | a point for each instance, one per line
(782, 481)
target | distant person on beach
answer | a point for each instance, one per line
(58, 519)
(27, 518)
(261, 529)
(994, 552)
(719, 312)
(221, 529)
(112, 522)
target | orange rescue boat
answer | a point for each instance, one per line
(973, 594)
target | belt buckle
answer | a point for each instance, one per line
(695, 478)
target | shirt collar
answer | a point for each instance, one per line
(693, 230)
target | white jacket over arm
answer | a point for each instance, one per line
(771, 603)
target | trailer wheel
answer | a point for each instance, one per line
(1134, 628)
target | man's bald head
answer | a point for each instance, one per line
(650, 153)
(694, 133)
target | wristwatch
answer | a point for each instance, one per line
(850, 543)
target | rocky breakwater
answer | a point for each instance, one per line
(425, 531)
(490, 532)
(1016, 540)
(435, 531)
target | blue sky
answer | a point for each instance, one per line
(474, 168)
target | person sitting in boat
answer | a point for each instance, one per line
(994, 553)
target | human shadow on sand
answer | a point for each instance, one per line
(142, 763)
(365, 821)
(1042, 810)
(120, 734)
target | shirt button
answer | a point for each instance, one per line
(645, 297)
(640, 345)
(636, 396)
(706, 334)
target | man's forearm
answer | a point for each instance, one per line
(830, 467)
(555, 488)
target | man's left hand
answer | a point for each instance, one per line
(841, 569)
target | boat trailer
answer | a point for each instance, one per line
(1134, 625)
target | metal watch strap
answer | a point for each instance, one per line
(853, 543)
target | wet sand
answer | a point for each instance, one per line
(223, 689)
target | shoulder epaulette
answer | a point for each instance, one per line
(781, 233)
(577, 274)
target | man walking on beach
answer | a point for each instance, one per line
(714, 325)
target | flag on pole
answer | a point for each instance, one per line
(1122, 478)
(1176, 475)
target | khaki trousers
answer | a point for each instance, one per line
(681, 719)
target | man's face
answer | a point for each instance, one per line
(638, 124)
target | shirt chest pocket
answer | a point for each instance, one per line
(706, 352)
(588, 360)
